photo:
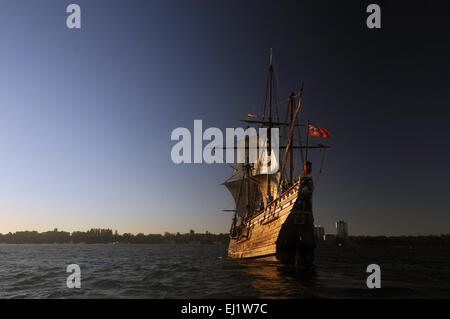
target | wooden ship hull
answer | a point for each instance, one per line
(283, 232)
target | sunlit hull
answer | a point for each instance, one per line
(282, 232)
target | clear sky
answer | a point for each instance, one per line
(86, 115)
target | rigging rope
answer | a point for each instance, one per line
(276, 95)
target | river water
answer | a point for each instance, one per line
(204, 271)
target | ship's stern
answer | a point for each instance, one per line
(295, 244)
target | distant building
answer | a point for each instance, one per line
(319, 233)
(341, 232)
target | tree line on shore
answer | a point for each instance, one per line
(105, 236)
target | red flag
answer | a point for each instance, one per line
(318, 131)
(252, 115)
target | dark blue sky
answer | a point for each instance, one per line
(86, 115)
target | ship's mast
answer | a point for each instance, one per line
(247, 179)
(269, 124)
(291, 118)
(306, 151)
(290, 147)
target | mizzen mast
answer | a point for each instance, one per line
(291, 155)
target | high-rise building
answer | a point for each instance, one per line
(319, 233)
(341, 231)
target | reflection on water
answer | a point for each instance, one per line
(271, 280)
(204, 271)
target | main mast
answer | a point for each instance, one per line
(247, 179)
(269, 126)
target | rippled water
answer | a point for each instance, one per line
(204, 271)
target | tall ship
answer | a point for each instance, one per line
(273, 217)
